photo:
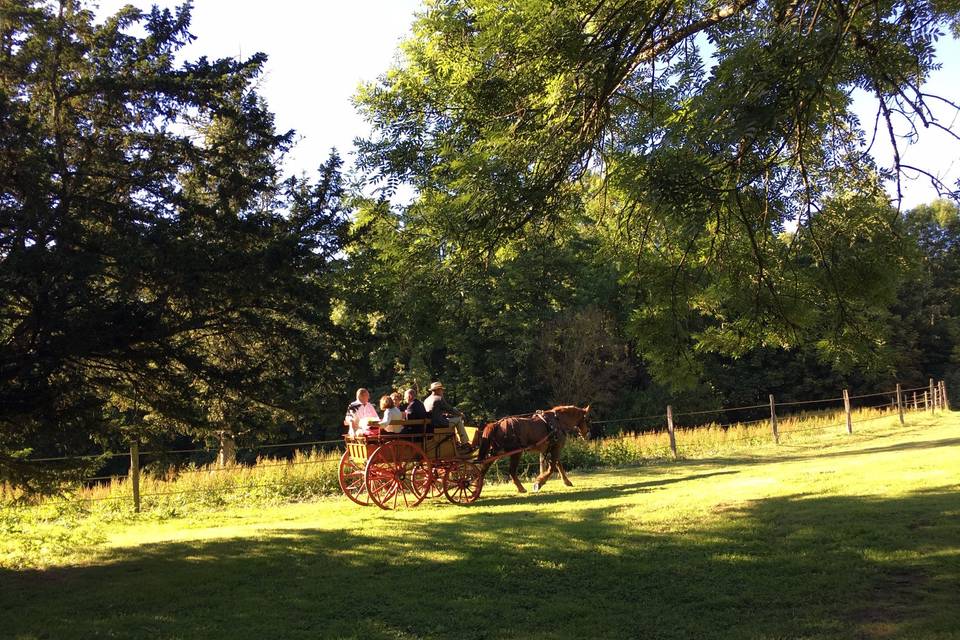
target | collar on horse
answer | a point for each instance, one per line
(553, 425)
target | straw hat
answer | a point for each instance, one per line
(436, 385)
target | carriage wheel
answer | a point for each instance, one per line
(436, 489)
(350, 475)
(428, 480)
(390, 477)
(462, 483)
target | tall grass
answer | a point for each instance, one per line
(711, 439)
(58, 528)
(313, 474)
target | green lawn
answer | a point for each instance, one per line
(845, 537)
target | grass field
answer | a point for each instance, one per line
(835, 536)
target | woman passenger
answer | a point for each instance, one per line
(390, 415)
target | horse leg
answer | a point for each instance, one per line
(514, 463)
(543, 477)
(563, 474)
(484, 467)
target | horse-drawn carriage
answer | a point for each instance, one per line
(400, 470)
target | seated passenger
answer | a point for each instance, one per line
(390, 415)
(398, 401)
(444, 414)
(416, 411)
(360, 414)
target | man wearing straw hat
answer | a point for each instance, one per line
(443, 414)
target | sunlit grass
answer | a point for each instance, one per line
(827, 535)
(311, 474)
(63, 527)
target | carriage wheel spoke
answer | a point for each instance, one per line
(397, 467)
(461, 483)
(351, 479)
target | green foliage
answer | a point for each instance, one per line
(926, 318)
(158, 276)
(433, 310)
(629, 204)
(713, 146)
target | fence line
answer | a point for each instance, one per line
(111, 454)
(833, 425)
(891, 392)
(934, 398)
(799, 402)
(333, 462)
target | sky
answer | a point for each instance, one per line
(320, 51)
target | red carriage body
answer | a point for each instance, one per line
(401, 470)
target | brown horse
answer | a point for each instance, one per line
(545, 431)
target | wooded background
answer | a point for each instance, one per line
(622, 202)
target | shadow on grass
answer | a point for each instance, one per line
(788, 567)
(574, 494)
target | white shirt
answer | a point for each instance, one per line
(362, 416)
(392, 415)
(366, 410)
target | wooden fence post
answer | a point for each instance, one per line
(773, 420)
(915, 405)
(846, 409)
(135, 474)
(932, 403)
(227, 454)
(900, 404)
(670, 430)
(543, 464)
(943, 394)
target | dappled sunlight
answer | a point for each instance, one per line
(690, 547)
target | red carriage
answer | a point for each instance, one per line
(400, 470)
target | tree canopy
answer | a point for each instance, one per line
(712, 143)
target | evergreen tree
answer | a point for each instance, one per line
(157, 275)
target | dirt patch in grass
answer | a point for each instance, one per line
(894, 598)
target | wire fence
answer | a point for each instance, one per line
(165, 452)
(933, 398)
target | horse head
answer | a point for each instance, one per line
(574, 420)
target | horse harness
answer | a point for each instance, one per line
(553, 425)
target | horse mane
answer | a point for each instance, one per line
(566, 407)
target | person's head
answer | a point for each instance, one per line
(386, 402)
(410, 395)
(397, 398)
(436, 388)
(363, 395)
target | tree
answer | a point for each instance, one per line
(713, 141)
(583, 360)
(431, 311)
(926, 317)
(158, 274)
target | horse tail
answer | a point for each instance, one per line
(486, 440)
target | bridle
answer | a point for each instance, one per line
(583, 421)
